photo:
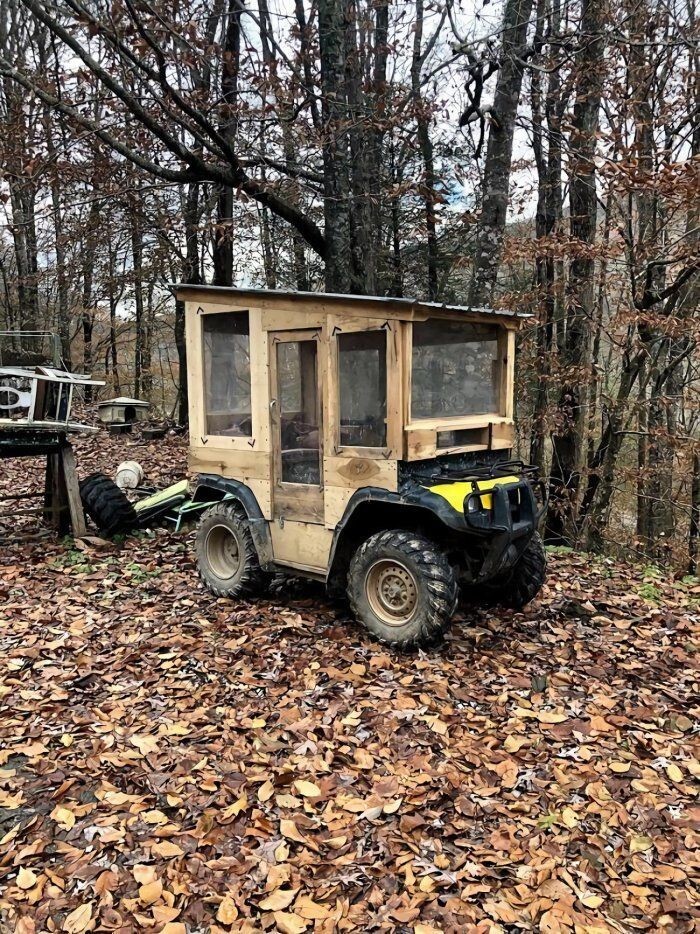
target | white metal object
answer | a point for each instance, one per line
(129, 475)
(40, 397)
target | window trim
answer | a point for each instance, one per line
(338, 326)
(232, 442)
(456, 421)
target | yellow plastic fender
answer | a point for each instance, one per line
(454, 493)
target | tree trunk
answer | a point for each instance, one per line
(568, 441)
(426, 149)
(499, 152)
(137, 265)
(547, 217)
(113, 299)
(191, 274)
(694, 527)
(341, 275)
(87, 315)
(223, 236)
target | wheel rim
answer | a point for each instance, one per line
(223, 552)
(392, 592)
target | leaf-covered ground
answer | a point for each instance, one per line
(172, 762)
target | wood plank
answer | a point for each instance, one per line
(406, 352)
(335, 500)
(395, 377)
(356, 472)
(459, 421)
(301, 543)
(195, 369)
(297, 501)
(259, 383)
(262, 491)
(52, 497)
(507, 399)
(421, 444)
(291, 319)
(69, 478)
(234, 463)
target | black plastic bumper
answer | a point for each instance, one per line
(508, 525)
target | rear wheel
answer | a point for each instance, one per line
(402, 588)
(227, 559)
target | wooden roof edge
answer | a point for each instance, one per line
(398, 304)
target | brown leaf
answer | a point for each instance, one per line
(289, 923)
(151, 892)
(277, 900)
(26, 878)
(307, 789)
(227, 911)
(78, 920)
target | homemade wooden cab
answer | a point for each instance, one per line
(308, 397)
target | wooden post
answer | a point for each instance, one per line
(71, 489)
(52, 492)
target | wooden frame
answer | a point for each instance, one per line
(303, 516)
(337, 326)
(300, 501)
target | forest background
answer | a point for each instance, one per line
(536, 154)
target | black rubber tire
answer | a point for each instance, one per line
(249, 578)
(518, 586)
(436, 584)
(107, 505)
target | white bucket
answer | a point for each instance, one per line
(129, 475)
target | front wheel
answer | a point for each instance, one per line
(227, 559)
(516, 587)
(402, 588)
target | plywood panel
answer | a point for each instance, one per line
(259, 384)
(237, 464)
(292, 319)
(261, 489)
(355, 472)
(301, 544)
(421, 443)
(508, 389)
(298, 501)
(195, 369)
(336, 499)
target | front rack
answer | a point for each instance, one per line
(489, 471)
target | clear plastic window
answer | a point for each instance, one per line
(455, 369)
(298, 403)
(227, 374)
(362, 389)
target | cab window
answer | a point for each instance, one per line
(362, 389)
(226, 339)
(455, 369)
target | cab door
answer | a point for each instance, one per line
(296, 423)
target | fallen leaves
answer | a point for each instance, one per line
(277, 900)
(290, 923)
(227, 911)
(26, 878)
(78, 920)
(307, 789)
(64, 817)
(151, 892)
(173, 762)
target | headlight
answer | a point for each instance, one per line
(472, 503)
